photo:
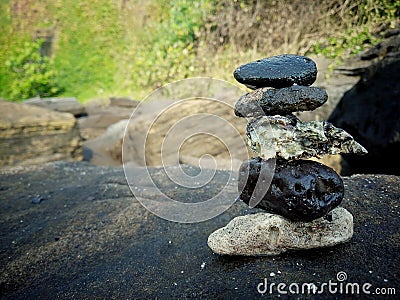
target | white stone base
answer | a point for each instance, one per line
(271, 234)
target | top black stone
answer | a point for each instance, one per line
(277, 72)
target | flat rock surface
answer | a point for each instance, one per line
(89, 237)
(65, 104)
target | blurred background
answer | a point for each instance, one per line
(95, 59)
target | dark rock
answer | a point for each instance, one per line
(301, 190)
(389, 46)
(267, 101)
(112, 247)
(370, 113)
(278, 71)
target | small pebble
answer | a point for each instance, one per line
(37, 199)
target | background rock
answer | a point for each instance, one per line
(89, 237)
(33, 135)
(226, 144)
(69, 105)
(123, 102)
(370, 113)
(101, 115)
(105, 150)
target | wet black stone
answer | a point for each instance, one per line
(267, 101)
(277, 71)
(301, 190)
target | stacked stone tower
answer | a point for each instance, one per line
(300, 197)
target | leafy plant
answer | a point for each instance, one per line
(345, 44)
(169, 53)
(32, 74)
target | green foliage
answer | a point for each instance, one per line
(169, 53)
(87, 49)
(31, 74)
(105, 47)
(358, 35)
(89, 42)
(345, 44)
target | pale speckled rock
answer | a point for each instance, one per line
(270, 234)
(288, 138)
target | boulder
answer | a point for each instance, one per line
(194, 129)
(123, 102)
(105, 150)
(68, 104)
(33, 135)
(100, 116)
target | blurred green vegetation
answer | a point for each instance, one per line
(130, 47)
(31, 74)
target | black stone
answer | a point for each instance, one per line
(267, 101)
(301, 190)
(277, 71)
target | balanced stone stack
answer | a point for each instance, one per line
(301, 197)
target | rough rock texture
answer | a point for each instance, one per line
(270, 234)
(287, 138)
(89, 237)
(300, 190)
(221, 133)
(104, 128)
(267, 101)
(30, 135)
(123, 102)
(105, 150)
(69, 105)
(101, 114)
(370, 112)
(277, 71)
